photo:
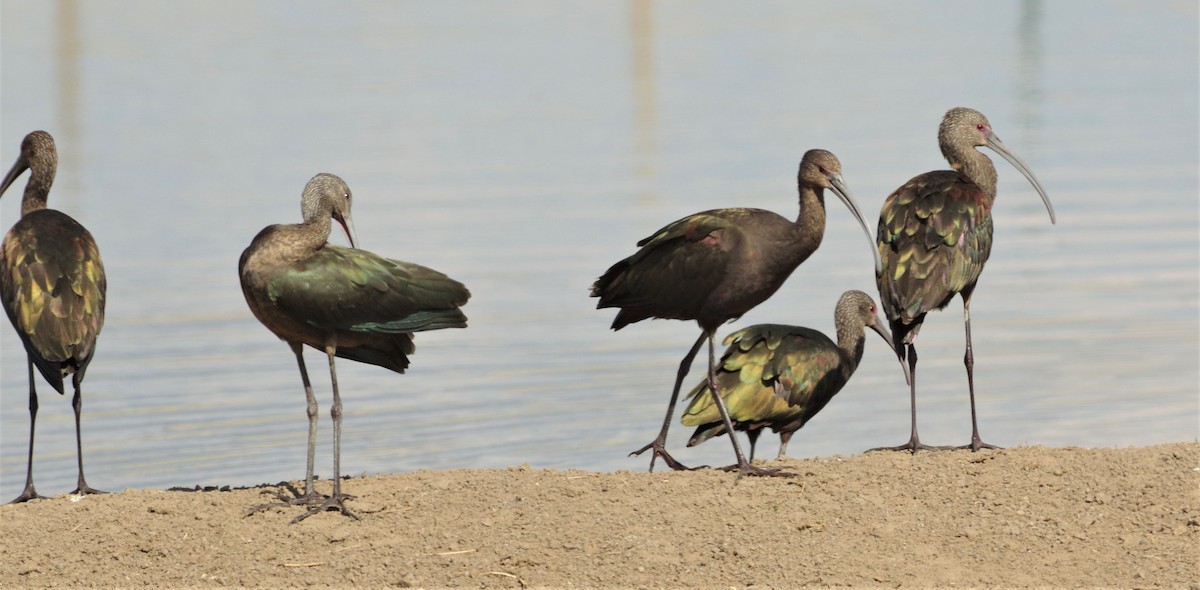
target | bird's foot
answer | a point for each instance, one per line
(913, 445)
(27, 494)
(335, 502)
(977, 444)
(661, 451)
(745, 469)
(289, 496)
(84, 490)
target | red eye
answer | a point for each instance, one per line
(981, 126)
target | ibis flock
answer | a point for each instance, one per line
(933, 237)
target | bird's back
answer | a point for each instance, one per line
(771, 375)
(709, 267)
(934, 236)
(53, 290)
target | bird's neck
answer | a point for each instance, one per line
(810, 223)
(851, 342)
(37, 190)
(298, 241)
(314, 232)
(977, 167)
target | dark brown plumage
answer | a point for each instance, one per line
(714, 266)
(52, 289)
(934, 236)
(346, 302)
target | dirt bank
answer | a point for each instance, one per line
(1023, 517)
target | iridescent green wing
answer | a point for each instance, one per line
(934, 235)
(769, 374)
(350, 289)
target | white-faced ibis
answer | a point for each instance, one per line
(346, 302)
(52, 288)
(779, 377)
(714, 266)
(935, 234)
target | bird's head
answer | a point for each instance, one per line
(328, 194)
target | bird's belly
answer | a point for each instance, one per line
(740, 294)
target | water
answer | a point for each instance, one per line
(523, 147)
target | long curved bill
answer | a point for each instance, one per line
(843, 193)
(882, 330)
(999, 147)
(887, 336)
(347, 227)
(18, 167)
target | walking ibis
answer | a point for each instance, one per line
(935, 234)
(714, 266)
(52, 289)
(346, 302)
(779, 377)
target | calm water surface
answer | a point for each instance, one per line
(523, 147)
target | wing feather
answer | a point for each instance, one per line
(770, 375)
(934, 237)
(675, 270)
(53, 290)
(356, 290)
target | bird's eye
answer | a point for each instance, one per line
(981, 127)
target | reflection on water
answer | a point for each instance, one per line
(645, 120)
(1029, 70)
(523, 149)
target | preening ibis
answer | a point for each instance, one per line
(346, 302)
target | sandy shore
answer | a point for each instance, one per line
(1023, 517)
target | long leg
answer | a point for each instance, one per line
(744, 467)
(29, 493)
(336, 501)
(969, 361)
(753, 436)
(659, 443)
(784, 439)
(914, 443)
(310, 497)
(77, 403)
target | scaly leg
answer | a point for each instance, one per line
(784, 439)
(659, 444)
(77, 403)
(969, 361)
(914, 443)
(310, 497)
(744, 467)
(29, 493)
(310, 494)
(753, 436)
(336, 501)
